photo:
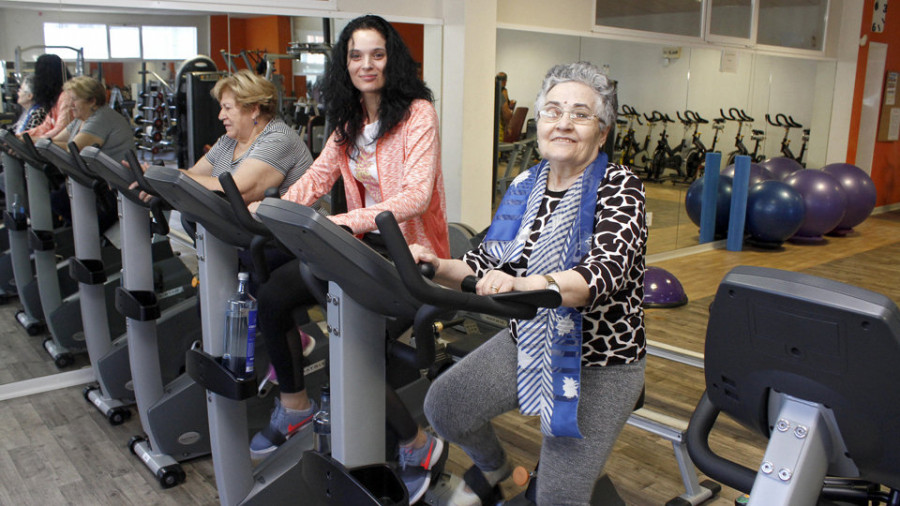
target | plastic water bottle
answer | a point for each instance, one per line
(240, 329)
(18, 210)
(322, 423)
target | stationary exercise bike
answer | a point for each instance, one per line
(170, 405)
(787, 122)
(811, 364)
(628, 144)
(643, 156)
(741, 117)
(666, 156)
(696, 155)
(506, 305)
(15, 218)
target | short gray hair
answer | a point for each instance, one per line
(588, 74)
(28, 81)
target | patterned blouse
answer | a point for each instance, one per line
(613, 321)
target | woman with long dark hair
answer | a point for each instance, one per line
(50, 74)
(386, 146)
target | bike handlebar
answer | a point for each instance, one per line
(695, 117)
(783, 121)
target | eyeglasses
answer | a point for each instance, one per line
(581, 116)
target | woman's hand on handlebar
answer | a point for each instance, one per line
(134, 185)
(500, 282)
(421, 254)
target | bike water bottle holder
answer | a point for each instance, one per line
(13, 223)
(209, 373)
(41, 240)
(87, 271)
(138, 305)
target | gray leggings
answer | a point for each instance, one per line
(462, 401)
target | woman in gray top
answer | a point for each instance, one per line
(94, 122)
(259, 149)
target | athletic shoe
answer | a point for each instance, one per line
(284, 424)
(308, 342)
(415, 464)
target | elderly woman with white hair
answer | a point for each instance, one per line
(574, 223)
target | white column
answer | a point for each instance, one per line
(470, 44)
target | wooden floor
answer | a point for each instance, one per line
(55, 449)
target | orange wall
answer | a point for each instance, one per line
(414, 37)
(273, 33)
(886, 159)
(269, 34)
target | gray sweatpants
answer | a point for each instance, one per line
(462, 401)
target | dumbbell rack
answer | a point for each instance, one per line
(154, 121)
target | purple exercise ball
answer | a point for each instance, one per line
(758, 173)
(861, 194)
(825, 200)
(781, 167)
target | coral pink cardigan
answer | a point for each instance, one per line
(57, 119)
(409, 172)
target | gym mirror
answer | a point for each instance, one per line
(672, 80)
(21, 25)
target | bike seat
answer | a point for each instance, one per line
(758, 132)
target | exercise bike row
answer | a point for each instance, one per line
(686, 158)
(113, 394)
(334, 255)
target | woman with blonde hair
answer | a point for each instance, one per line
(259, 149)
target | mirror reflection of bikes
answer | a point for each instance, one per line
(684, 161)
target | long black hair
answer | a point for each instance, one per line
(401, 85)
(49, 75)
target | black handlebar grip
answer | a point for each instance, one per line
(468, 284)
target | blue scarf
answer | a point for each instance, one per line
(549, 345)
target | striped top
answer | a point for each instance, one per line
(277, 145)
(408, 160)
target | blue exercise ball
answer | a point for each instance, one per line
(758, 173)
(781, 166)
(693, 203)
(861, 195)
(775, 212)
(825, 199)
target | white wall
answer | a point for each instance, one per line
(761, 83)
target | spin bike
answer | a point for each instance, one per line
(666, 156)
(628, 144)
(735, 114)
(697, 153)
(643, 157)
(787, 122)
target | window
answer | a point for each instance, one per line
(676, 17)
(124, 42)
(92, 38)
(793, 23)
(169, 42)
(102, 42)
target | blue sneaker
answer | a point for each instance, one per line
(284, 424)
(416, 464)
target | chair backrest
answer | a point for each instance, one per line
(514, 127)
